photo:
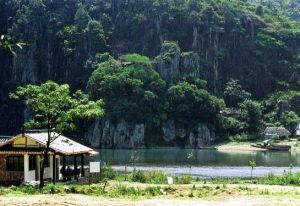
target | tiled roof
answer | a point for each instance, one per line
(281, 131)
(22, 151)
(61, 143)
(3, 140)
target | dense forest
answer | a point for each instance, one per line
(171, 72)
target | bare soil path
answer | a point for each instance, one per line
(84, 200)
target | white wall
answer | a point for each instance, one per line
(28, 175)
(48, 172)
(31, 175)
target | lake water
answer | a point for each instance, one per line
(206, 163)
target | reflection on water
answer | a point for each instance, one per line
(174, 156)
(206, 163)
(215, 171)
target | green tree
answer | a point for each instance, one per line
(252, 164)
(95, 35)
(251, 114)
(234, 94)
(55, 108)
(131, 92)
(191, 103)
(290, 120)
(81, 17)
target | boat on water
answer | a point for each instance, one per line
(261, 146)
(279, 147)
(275, 147)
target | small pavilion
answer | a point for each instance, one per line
(20, 157)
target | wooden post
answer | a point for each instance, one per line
(64, 168)
(82, 165)
(75, 167)
(54, 169)
(125, 173)
(75, 162)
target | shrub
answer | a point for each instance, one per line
(108, 172)
(53, 189)
(241, 138)
(155, 177)
(152, 191)
(185, 179)
(138, 176)
(122, 190)
(29, 189)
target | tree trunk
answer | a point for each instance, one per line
(42, 169)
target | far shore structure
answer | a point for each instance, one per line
(20, 157)
(279, 132)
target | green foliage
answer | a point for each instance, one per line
(138, 176)
(169, 49)
(82, 16)
(233, 126)
(108, 172)
(54, 108)
(190, 103)
(252, 164)
(290, 120)
(251, 114)
(153, 177)
(255, 42)
(273, 113)
(234, 94)
(53, 189)
(130, 93)
(242, 137)
(184, 179)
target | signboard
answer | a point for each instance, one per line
(94, 167)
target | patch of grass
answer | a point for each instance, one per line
(153, 177)
(286, 179)
(108, 172)
(53, 189)
(138, 176)
(184, 179)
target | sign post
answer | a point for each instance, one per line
(94, 172)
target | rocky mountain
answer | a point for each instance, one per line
(254, 42)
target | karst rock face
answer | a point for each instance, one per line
(124, 135)
(211, 40)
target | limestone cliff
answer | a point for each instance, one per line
(124, 135)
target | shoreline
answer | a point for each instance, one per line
(222, 147)
(238, 147)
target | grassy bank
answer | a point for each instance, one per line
(140, 184)
(131, 190)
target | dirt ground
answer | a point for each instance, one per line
(83, 200)
(276, 195)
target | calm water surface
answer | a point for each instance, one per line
(206, 163)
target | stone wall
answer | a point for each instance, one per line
(7, 177)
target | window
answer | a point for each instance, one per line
(32, 162)
(15, 163)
